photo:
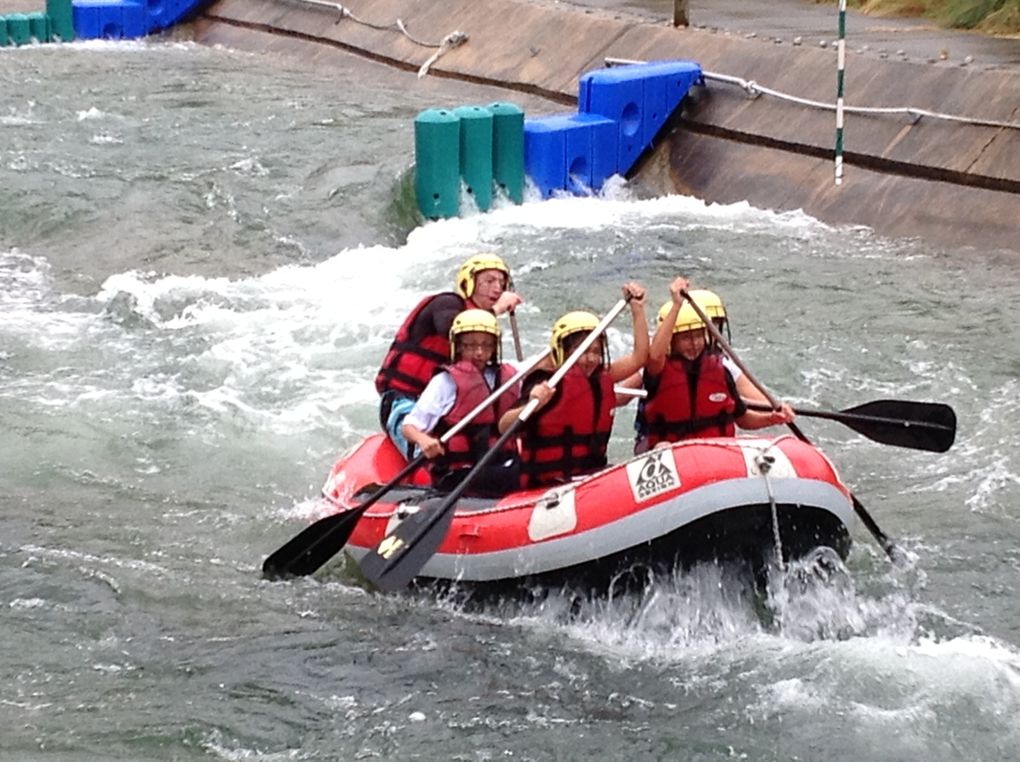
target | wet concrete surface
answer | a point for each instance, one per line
(798, 22)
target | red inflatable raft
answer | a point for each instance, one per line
(725, 499)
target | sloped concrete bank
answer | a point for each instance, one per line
(946, 181)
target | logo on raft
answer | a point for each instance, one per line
(653, 474)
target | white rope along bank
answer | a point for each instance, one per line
(452, 40)
(754, 90)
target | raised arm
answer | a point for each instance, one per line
(630, 364)
(659, 349)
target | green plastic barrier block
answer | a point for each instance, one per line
(18, 30)
(39, 26)
(4, 41)
(476, 153)
(508, 149)
(61, 13)
(437, 163)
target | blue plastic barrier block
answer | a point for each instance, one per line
(604, 149)
(619, 95)
(157, 14)
(86, 21)
(96, 19)
(545, 159)
(162, 14)
(573, 152)
(135, 20)
(3, 31)
(640, 98)
(666, 85)
(110, 19)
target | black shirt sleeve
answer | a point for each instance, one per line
(650, 383)
(741, 408)
(437, 316)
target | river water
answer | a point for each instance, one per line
(203, 255)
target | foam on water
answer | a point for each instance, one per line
(823, 648)
(619, 209)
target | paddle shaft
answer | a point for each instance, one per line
(398, 556)
(316, 544)
(459, 425)
(517, 336)
(466, 420)
(506, 385)
(888, 545)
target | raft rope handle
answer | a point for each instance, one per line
(451, 41)
(754, 90)
(764, 463)
(578, 481)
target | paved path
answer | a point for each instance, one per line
(787, 20)
(21, 6)
(783, 21)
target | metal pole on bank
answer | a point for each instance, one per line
(840, 70)
(681, 14)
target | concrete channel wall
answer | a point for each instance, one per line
(948, 182)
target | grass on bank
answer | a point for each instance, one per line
(989, 16)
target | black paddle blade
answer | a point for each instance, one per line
(403, 552)
(312, 547)
(919, 425)
(316, 544)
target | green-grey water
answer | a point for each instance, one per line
(203, 256)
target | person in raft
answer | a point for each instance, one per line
(457, 389)
(569, 431)
(691, 388)
(714, 308)
(422, 343)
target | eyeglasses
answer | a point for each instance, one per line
(476, 346)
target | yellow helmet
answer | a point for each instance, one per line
(474, 321)
(688, 319)
(465, 282)
(710, 304)
(578, 321)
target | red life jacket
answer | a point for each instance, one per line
(408, 366)
(467, 446)
(675, 411)
(569, 436)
